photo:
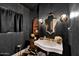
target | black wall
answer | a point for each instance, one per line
(58, 9)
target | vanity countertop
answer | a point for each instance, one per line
(49, 46)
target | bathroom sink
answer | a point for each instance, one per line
(49, 46)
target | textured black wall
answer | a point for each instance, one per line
(57, 9)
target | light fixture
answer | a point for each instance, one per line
(64, 15)
(41, 20)
(74, 14)
(32, 35)
(36, 31)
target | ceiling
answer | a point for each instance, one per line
(31, 6)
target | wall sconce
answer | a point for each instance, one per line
(74, 14)
(41, 21)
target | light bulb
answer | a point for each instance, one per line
(32, 35)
